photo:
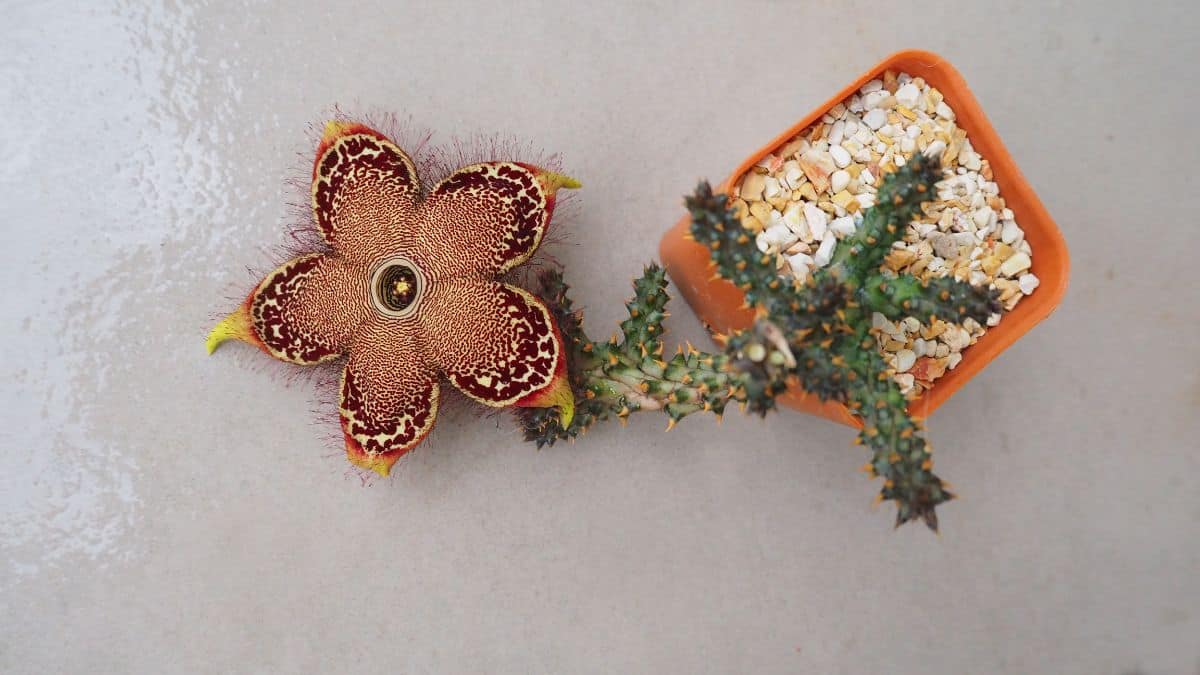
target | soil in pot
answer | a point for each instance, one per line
(802, 200)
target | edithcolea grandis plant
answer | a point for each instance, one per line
(413, 290)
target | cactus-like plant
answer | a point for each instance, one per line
(817, 332)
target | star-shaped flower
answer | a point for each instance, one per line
(410, 292)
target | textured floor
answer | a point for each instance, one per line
(161, 511)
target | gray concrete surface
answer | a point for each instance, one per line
(161, 511)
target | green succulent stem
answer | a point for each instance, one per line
(828, 322)
(629, 373)
(817, 332)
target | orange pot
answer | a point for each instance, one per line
(718, 302)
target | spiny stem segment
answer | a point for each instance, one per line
(631, 373)
(827, 320)
(816, 332)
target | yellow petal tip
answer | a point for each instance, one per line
(333, 129)
(557, 395)
(375, 463)
(565, 402)
(554, 181)
(379, 462)
(236, 326)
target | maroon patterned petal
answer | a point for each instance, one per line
(497, 343)
(485, 219)
(364, 192)
(307, 310)
(389, 394)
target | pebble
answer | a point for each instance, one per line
(752, 187)
(945, 246)
(837, 133)
(800, 263)
(842, 227)
(842, 200)
(779, 235)
(838, 180)
(763, 245)
(817, 166)
(1028, 282)
(824, 252)
(816, 219)
(1010, 232)
(793, 217)
(957, 338)
(1018, 263)
(840, 157)
(875, 99)
(907, 95)
(793, 175)
(905, 358)
(770, 187)
(875, 118)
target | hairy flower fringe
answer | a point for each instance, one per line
(301, 237)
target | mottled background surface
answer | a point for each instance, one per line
(161, 511)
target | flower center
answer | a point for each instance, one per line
(396, 286)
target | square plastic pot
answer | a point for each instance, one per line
(719, 303)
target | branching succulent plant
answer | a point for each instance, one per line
(815, 333)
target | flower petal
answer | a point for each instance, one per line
(364, 192)
(488, 218)
(497, 343)
(305, 311)
(389, 394)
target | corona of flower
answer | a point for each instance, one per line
(410, 293)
